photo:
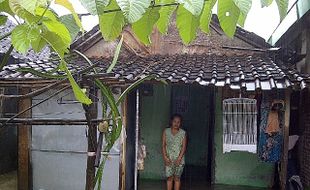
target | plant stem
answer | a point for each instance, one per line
(158, 5)
(5, 35)
(6, 57)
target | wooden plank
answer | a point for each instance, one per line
(24, 142)
(123, 153)
(284, 159)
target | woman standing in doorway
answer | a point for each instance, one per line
(173, 148)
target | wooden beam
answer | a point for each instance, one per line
(24, 142)
(91, 112)
(284, 159)
(123, 153)
(50, 121)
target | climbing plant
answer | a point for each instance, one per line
(39, 26)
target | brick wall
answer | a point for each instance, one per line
(305, 156)
(305, 141)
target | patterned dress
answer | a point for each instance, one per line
(173, 148)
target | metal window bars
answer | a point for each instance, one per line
(239, 125)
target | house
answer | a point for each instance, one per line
(293, 35)
(204, 77)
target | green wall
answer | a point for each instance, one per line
(238, 168)
(155, 114)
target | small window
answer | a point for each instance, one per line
(239, 125)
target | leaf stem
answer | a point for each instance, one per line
(46, 8)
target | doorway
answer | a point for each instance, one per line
(194, 104)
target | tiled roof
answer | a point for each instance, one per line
(6, 43)
(248, 72)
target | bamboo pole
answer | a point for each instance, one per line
(284, 159)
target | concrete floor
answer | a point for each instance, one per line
(198, 185)
(8, 181)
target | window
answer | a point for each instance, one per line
(239, 125)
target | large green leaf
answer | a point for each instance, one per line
(111, 24)
(48, 14)
(22, 35)
(22, 13)
(95, 7)
(3, 19)
(101, 5)
(228, 14)
(165, 13)
(38, 44)
(5, 7)
(266, 3)
(55, 42)
(206, 16)
(78, 92)
(133, 9)
(187, 25)
(244, 7)
(282, 7)
(72, 27)
(193, 6)
(59, 29)
(143, 28)
(68, 5)
(31, 5)
(116, 54)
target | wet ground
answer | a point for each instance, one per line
(8, 181)
(198, 185)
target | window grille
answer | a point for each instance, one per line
(239, 125)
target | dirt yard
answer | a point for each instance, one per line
(8, 181)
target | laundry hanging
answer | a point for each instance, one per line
(239, 125)
(271, 137)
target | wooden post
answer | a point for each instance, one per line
(284, 159)
(24, 139)
(123, 153)
(91, 112)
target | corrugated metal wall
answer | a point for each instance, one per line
(59, 152)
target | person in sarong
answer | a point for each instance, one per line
(173, 148)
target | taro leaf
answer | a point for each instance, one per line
(228, 14)
(111, 24)
(133, 9)
(187, 25)
(143, 28)
(165, 13)
(206, 16)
